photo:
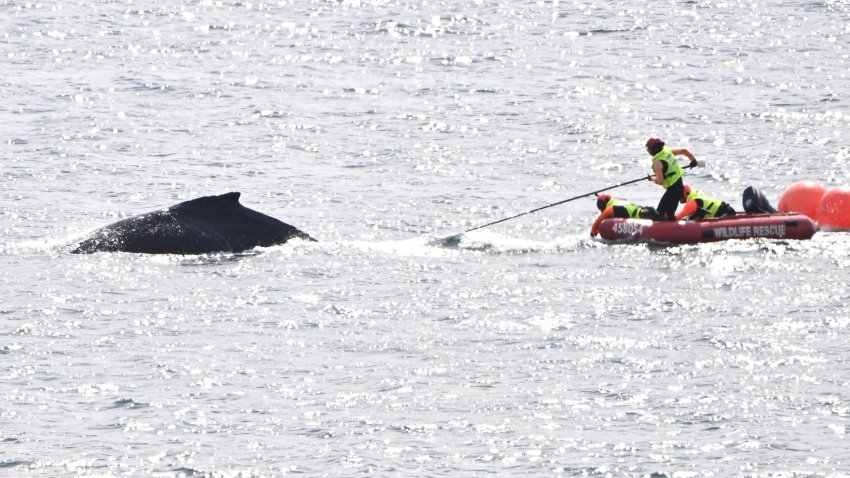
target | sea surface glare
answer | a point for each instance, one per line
(379, 128)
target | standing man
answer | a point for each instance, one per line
(667, 173)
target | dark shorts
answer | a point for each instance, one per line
(650, 213)
(645, 213)
(725, 210)
(670, 200)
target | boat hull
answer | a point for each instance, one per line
(739, 226)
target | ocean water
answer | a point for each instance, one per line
(380, 127)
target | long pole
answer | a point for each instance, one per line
(645, 178)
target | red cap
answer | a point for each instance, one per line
(651, 142)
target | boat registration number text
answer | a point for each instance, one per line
(628, 227)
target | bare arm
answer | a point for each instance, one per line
(658, 170)
(684, 152)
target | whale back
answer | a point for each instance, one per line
(198, 226)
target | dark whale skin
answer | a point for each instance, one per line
(200, 226)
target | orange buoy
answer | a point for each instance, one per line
(803, 197)
(834, 210)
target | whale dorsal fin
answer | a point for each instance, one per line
(221, 201)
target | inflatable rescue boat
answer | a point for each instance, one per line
(739, 226)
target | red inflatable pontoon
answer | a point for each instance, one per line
(740, 226)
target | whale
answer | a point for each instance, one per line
(204, 225)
